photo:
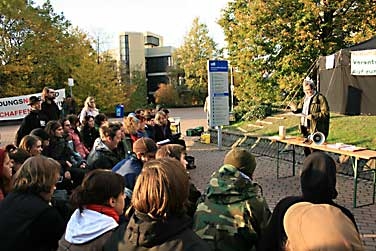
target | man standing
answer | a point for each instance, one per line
(35, 119)
(314, 109)
(49, 107)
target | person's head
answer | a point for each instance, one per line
(54, 129)
(141, 122)
(34, 103)
(110, 134)
(89, 102)
(18, 157)
(243, 160)
(145, 149)
(37, 175)
(318, 178)
(149, 119)
(31, 144)
(308, 87)
(42, 135)
(89, 121)
(161, 190)
(160, 118)
(100, 119)
(48, 94)
(74, 121)
(314, 227)
(66, 125)
(175, 151)
(130, 123)
(5, 165)
(101, 187)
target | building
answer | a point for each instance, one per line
(144, 52)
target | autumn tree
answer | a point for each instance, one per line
(273, 44)
(192, 56)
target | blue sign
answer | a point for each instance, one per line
(218, 66)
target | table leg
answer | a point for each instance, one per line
(278, 160)
(293, 160)
(355, 170)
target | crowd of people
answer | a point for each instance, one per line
(75, 181)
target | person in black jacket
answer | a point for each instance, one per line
(318, 185)
(28, 222)
(35, 119)
(49, 107)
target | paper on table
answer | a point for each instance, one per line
(162, 142)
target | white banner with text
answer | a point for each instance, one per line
(363, 63)
(13, 108)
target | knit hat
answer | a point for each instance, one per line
(319, 227)
(144, 145)
(318, 178)
(242, 160)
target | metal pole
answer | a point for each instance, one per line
(70, 88)
(219, 137)
(232, 89)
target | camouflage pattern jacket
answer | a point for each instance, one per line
(233, 213)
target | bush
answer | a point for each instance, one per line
(252, 112)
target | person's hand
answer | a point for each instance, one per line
(83, 165)
(69, 165)
(293, 106)
(309, 117)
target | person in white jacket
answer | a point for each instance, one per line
(100, 201)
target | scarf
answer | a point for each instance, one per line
(109, 211)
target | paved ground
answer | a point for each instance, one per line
(208, 158)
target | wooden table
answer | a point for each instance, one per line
(355, 156)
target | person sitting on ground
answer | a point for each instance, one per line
(99, 201)
(149, 126)
(104, 154)
(163, 131)
(233, 213)
(88, 109)
(159, 221)
(130, 124)
(144, 150)
(35, 119)
(100, 119)
(318, 186)
(178, 152)
(89, 133)
(31, 144)
(5, 173)
(315, 227)
(28, 222)
(42, 135)
(17, 156)
(74, 134)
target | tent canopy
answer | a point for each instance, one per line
(347, 94)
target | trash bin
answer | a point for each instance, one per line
(119, 111)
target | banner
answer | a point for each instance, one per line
(13, 108)
(363, 63)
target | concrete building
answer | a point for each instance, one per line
(144, 52)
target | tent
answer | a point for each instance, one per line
(348, 93)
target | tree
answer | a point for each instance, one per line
(167, 95)
(272, 44)
(192, 57)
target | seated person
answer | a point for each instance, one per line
(100, 202)
(233, 212)
(315, 227)
(318, 185)
(162, 130)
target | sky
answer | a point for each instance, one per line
(172, 19)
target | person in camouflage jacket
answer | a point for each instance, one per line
(232, 214)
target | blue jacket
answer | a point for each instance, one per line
(129, 168)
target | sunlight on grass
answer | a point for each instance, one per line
(354, 130)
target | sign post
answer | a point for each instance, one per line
(218, 106)
(70, 84)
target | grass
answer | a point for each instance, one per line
(354, 130)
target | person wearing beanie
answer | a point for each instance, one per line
(143, 150)
(315, 227)
(318, 186)
(233, 213)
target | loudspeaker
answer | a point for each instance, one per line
(318, 138)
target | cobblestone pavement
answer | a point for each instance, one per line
(208, 159)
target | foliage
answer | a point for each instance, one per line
(40, 48)
(272, 44)
(248, 113)
(136, 91)
(192, 58)
(167, 95)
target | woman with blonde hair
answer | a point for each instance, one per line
(160, 221)
(88, 109)
(28, 221)
(32, 145)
